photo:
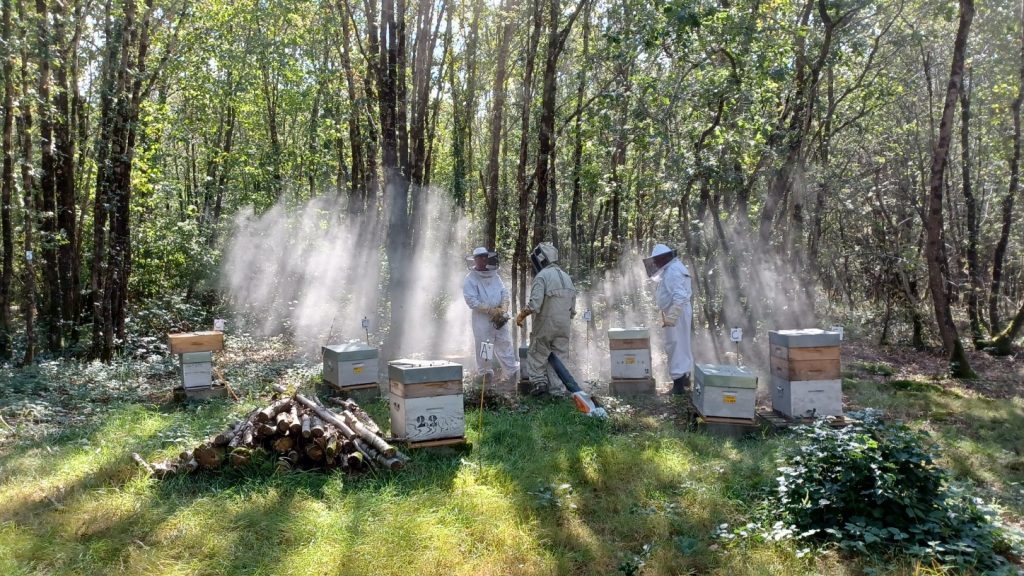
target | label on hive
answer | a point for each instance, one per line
(729, 398)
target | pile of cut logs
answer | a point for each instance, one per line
(301, 432)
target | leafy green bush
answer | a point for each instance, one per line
(874, 487)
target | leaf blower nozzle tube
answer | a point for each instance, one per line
(584, 403)
(563, 373)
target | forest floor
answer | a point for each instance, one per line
(542, 491)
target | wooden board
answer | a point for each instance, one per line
(819, 353)
(182, 342)
(632, 387)
(207, 393)
(426, 389)
(779, 420)
(438, 442)
(630, 344)
(805, 369)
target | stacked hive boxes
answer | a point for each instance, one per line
(806, 373)
(724, 391)
(426, 400)
(350, 365)
(195, 352)
(631, 361)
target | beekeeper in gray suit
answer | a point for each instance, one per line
(553, 302)
(673, 297)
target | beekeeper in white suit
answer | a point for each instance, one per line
(553, 300)
(487, 297)
(673, 296)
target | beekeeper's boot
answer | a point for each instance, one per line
(681, 385)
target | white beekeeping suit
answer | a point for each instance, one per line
(673, 296)
(553, 300)
(487, 297)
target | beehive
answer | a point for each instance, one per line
(196, 370)
(426, 400)
(630, 353)
(806, 372)
(350, 364)
(724, 391)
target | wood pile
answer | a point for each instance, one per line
(301, 432)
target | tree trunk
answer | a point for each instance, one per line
(48, 185)
(973, 269)
(521, 261)
(27, 179)
(64, 147)
(1004, 237)
(576, 223)
(7, 186)
(357, 182)
(934, 249)
(497, 117)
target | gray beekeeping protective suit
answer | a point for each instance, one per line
(487, 297)
(553, 302)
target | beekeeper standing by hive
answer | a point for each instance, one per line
(488, 298)
(673, 296)
(553, 300)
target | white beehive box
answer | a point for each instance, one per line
(196, 369)
(350, 364)
(426, 401)
(724, 391)
(807, 398)
(630, 350)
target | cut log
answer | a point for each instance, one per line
(284, 444)
(145, 465)
(314, 452)
(295, 422)
(331, 448)
(266, 431)
(208, 455)
(224, 437)
(366, 434)
(307, 429)
(240, 456)
(284, 421)
(270, 412)
(357, 410)
(317, 427)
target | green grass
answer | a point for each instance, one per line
(544, 491)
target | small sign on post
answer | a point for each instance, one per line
(218, 324)
(28, 255)
(736, 335)
(486, 351)
(366, 328)
(837, 328)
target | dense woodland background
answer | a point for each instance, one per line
(855, 155)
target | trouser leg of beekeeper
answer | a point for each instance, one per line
(483, 330)
(537, 360)
(677, 346)
(507, 358)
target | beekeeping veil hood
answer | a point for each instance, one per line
(492, 258)
(543, 255)
(660, 256)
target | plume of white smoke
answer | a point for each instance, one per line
(314, 272)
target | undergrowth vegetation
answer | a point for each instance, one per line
(541, 490)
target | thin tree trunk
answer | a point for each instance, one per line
(521, 261)
(576, 224)
(973, 269)
(1004, 237)
(48, 185)
(64, 146)
(497, 118)
(27, 183)
(7, 187)
(934, 249)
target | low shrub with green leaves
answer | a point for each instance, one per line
(875, 487)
